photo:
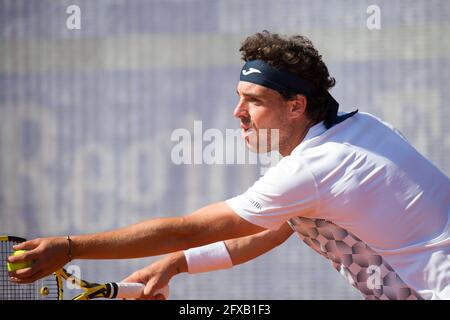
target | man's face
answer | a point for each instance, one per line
(261, 108)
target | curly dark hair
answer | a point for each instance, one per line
(297, 55)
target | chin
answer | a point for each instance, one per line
(254, 147)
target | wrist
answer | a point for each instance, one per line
(76, 248)
(69, 248)
(177, 263)
(211, 257)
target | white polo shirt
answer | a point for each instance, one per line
(361, 196)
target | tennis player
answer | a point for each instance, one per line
(350, 185)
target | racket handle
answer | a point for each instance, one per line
(134, 290)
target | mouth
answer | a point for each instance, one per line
(247, 131)
(247, 128)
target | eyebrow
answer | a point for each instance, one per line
(254, 96)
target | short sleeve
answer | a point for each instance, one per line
(287, 190)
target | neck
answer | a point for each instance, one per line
(295, 138)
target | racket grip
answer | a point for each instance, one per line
(127, 290)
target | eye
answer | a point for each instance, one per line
(255, 101)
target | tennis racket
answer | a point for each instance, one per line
(51, 287)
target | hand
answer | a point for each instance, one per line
(158, 275)
(47, 255)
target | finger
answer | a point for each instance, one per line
(25, 272)
(148, 289)
(33, 278)
(151, 293)
(132, 278)
(23, 257)
(28, 271)
(27, 245)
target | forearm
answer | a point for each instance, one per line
(223, 255)
(176, 263)
(163, 235)
(153, 237)
(248, 248)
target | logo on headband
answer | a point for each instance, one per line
(250, 71)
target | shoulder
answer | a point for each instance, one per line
(289, 171)
(361, 137)
(363, 129)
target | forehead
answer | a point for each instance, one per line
(249, 88)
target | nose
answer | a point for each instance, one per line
(240, 110)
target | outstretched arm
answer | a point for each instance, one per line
(241, 250)
(149, 238)
(248, 248)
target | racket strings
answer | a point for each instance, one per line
(46, 288)
(9, 290)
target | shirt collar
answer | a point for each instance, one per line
(313, 132)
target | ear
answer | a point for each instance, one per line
(297, 106)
